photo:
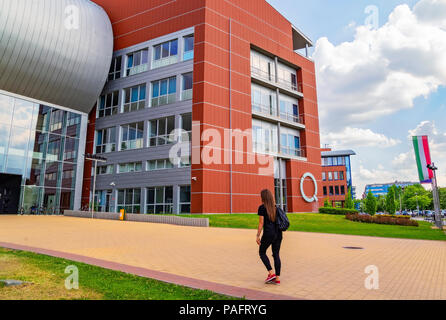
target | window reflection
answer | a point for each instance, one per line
(40, 143)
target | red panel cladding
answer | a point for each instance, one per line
(87, 164)
(222, 82)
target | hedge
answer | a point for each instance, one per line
(382, 219)
(339, 211)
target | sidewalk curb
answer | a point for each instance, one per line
(233, 291)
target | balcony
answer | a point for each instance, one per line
(292, 152)
(268, 110)
(259, 73)
(289, 85)
(292, 118)
(164, 100)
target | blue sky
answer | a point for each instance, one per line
(405, 97)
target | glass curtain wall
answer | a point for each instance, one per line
(40, 144)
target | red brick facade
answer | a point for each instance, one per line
(225, 31)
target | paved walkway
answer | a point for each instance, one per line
(315, 266)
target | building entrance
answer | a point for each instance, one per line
(9, 193)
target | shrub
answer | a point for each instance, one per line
(339, 211)
(382, 219)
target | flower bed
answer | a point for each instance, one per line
(382, 219)
(339, 211)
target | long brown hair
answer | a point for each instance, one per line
(269, 203)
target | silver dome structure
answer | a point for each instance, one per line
(55, 51)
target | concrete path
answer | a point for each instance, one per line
(315, 266)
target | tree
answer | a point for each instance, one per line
(390, 201)
(349, 203)
(381, 203)
(442, 196)
(370, 204)
(412, 193)
(327, 203)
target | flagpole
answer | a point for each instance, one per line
(438, 218)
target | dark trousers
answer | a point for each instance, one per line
(275, 241)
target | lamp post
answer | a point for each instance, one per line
(95, 159)
(438, 219)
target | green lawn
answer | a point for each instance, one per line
(325, 223)
(48, 277)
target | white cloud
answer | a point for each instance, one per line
(383, 70)
(403, 166)
(356, 137)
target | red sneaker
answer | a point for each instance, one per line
(277, 282)
(270, 278)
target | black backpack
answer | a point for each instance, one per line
(282, 220)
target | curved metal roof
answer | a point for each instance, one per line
(338, 153)
(56, 51)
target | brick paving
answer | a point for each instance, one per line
(315, 266)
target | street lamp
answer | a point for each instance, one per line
(438, 219)
(96, 159)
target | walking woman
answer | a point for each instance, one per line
(272, 236)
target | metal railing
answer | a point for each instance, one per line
(292, 152)
(291, 117)
(263, 74)
(264, 109)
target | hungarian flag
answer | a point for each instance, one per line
(423, 157)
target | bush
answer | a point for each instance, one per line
(339, 211)
(382, 219)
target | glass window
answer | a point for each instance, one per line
(325, 191)
(164, 91)
(137, 62)
(337, 190)
(185, 196)
(342, 190)
(160, 130)
(132, 136)
(130, 167)
(188, 48)
(336, 175)
(106, 140)
(264, 137)
(129, 200)
(341, 175)
(187, 86)
(165, 53)
(103, 170)
(331, 191)
(115, 69)
(160, 200)
(187, 81)
(324, 176)
(108, 104)
(330, 176)
(135, 98)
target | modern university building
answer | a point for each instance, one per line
(229, 76)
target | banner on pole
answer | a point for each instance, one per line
(423, 158)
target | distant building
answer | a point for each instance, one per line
(383, 188)
(337, 175)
